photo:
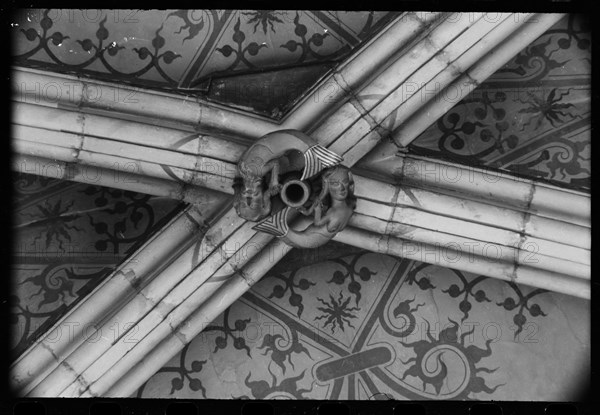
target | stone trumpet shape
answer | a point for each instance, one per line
(331, 211)
(262, 164)
(295, 193)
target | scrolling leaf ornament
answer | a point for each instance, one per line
(98, 51)
(433, 357)
(285, 173)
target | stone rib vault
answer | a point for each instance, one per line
(203, 260)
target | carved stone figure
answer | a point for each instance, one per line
(271, 156)
(287, 171)
(332, 210)
(250, 200)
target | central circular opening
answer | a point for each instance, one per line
(294, 192)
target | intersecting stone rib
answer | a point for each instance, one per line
(355, 72)
(109, 126)
(235, 287)
(100, 386)
(128, 382)
(409, 129)
(483, 36)
(421, 206)
(48, 133)
(180, 319)
(150, 297)
(82, 358)
(406, 169)
(30, 85)
(414, 56)
(118, 179)
(479, 184)
(199, 319)
(509, 271)
(113, 291)
(122, 356)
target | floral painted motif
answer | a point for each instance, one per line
(240, 51)
(351, 274)
(549, 109)
(53, 223)
(97, 50)
(307, 47)
(227, 331)
(283, 389)
(436, 375)
(282, 352)
(68, 238)
(532, 117)
(295, 299)
(265, 18)
(409, 339)
(194, 52)
(522, 304)
(336, 313)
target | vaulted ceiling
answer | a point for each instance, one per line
(530, 119)
(262, 61)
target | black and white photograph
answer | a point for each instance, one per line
(239, 204)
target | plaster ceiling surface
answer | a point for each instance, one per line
(68, 237)
(367, 326)
(197, 52)
(531, 118)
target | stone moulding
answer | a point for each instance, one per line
(199, 284)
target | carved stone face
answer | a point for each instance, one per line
(339, 184)
(252, 191)
(250, 172)
(251, 204)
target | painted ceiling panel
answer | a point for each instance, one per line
(126, 43)
(337, 322)
(368, 326)
(186, 50)
(272, 93)
(68, 237)
(532, 118)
